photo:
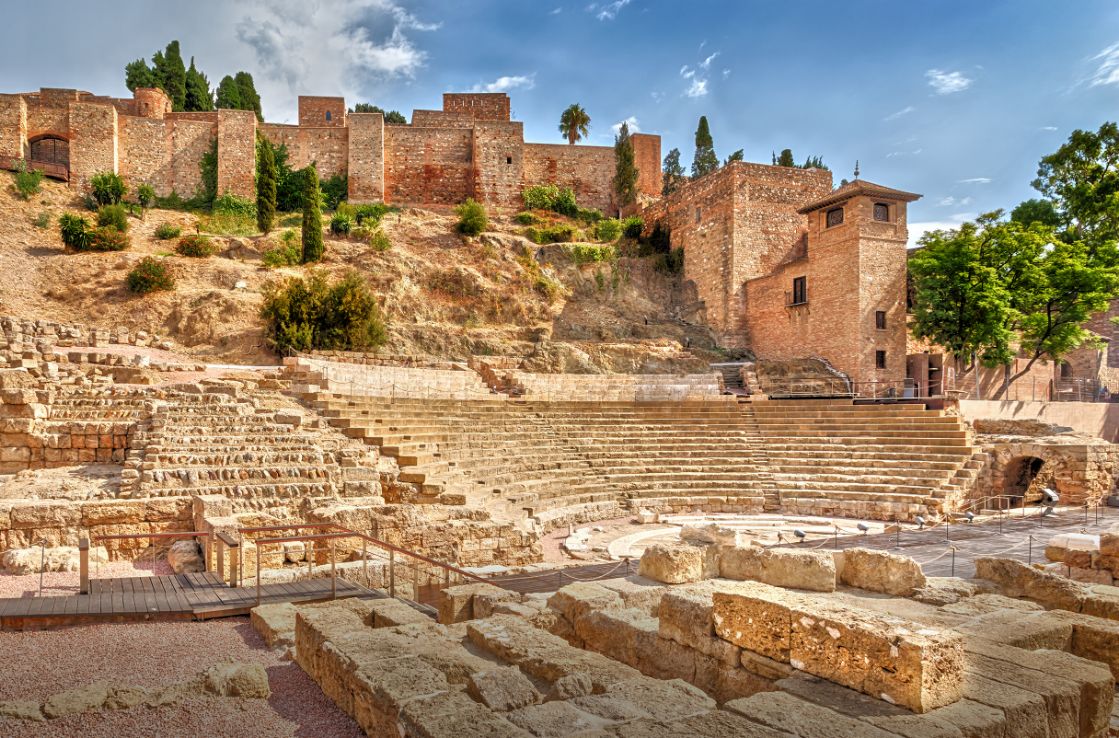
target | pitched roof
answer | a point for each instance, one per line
(859, 187)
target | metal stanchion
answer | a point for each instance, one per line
(953, 561)
(333, 573)
(1030, 560)
(365, 561)
(392, 573)
(897, 533)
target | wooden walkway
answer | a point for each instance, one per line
(164, 598)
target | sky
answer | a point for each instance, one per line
(956, 100)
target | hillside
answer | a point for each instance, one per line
(443, 296)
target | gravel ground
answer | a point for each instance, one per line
(41, 663)
(61, 583)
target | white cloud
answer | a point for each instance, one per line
(325, 48)
(947, 83)
(556, 11)
(975, 180)
(630, 121)
(904, 111)
(726, 73)
(1048, 128)
(706, 63)
(1107, 73)
(657, 96)
(698, 88)
(607, 11)
(894, 154)
(951, 201)
(697, 76)
(504, 84)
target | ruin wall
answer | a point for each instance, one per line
(588, 170)
(498, 151)
(366, 157)
(442, 119)
(237, 153)
(428, 165)
(326, 146)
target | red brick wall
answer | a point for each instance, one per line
(313, 110)
(441, 119)
(366, 152)
(481, 105)
(588, 170)
(428, 165)
(236, 152)
(498, 162)
(647, 155)
(328, 147)
(93, 141)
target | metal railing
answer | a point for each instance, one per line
(84, 546)
(887, 388)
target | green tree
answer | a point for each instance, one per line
(625, 168)
(1036, 211)
(574, 123)
(1082, 180)
(738, 155)
(265, 185)
(673, 171)
(312, 216)
(786, 158)
(705, 160)
(198, 95)
(392, 117)
(138, 74)
(171, 74)
(228, 95)
(814, 162)
(250, 100)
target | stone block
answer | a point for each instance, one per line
(1015, 579)
(1024, 630)
(452, 715)
(275, 623)
(625, 635)
(1023, 711)
(786, 712)
(575, 600)
(555, 720)
(678, 563)
(392, 612)
(879, 571)
(781, 567)
(503, 689)
(456, 604)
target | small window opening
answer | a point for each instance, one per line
(328, 115)
(800, 290)
(698, 215)
(835, 217)
(882, 212)
(880, 359)
(880, 319)
(508, 160)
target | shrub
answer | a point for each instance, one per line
(335, 190)
(166, 232)
(589, 253)
(42, 220)
(107, 188)
(234, 205)
(609, 230)
(366, 214)
(150, 275)
(108, 238)
(74, 230)
(114, 216)
(550, 197)
(197, 246)
(632, 226)
(285, 253)
(145, 196)
(27, 181)
(670, 262)
(471, 217)
(565, 204)
(341, 224)
(555, 233)
(526, 218)
(377, 239)
(312, 313)
(589, 216)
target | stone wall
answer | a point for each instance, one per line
(63, 522)
(165, 152)
(588, 170)
(152, 102)
(498, 162)
(13, 127)
(237, 153)
(366, 151)
(441, 119)
(316, 112)
(479, 105)
(1081, 470)
(93, 142)
(647, 157)
(327, 146)
(428, 165)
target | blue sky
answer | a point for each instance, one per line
(954, 100)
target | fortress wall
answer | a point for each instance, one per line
(313, 111)
(479, 105)
(441, 119)
(93, 143)
(588, 170)
(366, 151)
(428, 165)
(766, 214)
(236, 152)
(327, 146)
(47, 114)
(13, 128)
(191, 139)
(164, 153)
(647, 157)
(498, 162)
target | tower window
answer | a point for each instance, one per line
(834, 217)
(880, 359)
(328, 116)
(698, 215)
(800, 291)
(508, 160)
(880, 319)
(882, 212)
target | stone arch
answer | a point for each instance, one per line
(1019, 477)
(50, 153)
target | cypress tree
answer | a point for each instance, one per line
(250, 100)
(673, 172)
(198, 95)
(139, 74)
(265, 186)
(171, 74)
(625, 168)
(312, 216)
(229, 94)
(705, 160)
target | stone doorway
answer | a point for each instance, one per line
(51, 155)
(1021, 472)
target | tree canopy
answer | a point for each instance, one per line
(575, 123)
(705, 160)
(392, 117)
(625, 173)
(1081, 179)
(738, 155)
(189, 88)
(673, 173)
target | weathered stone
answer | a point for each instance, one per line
(237, 680)
(1015, 579)
(456, 604)
(72, 701)
(781, 567)
(879, 571)
(569, 687)
(944, 591)
(391, 612)
(185, 557)
(452, 715)
(502, 689)
(555, 720)
(275, 623)
(783, 711)
(678, 563)
(574, 601)
(21, 710)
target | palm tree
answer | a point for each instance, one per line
(574, 123)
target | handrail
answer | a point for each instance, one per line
(397, 549)
(83, 559)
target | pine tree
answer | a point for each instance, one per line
(786, 158)
(312, 216)
(171, 75)
(739, 155)
(625, 171)
(265, 185)
(229, 94)
(674, 175)
(705, 160)
(198, 95)
(138, 74)
(250, 100)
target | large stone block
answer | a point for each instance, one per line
(879, 571)
(781, 567)
(503, 689)
(783, 711)
(1015, 579)
(456, 604)
(678, 563)
(575, 600)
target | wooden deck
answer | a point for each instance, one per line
(163, 598)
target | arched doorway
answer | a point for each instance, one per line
(1020, 473)
(51, 155)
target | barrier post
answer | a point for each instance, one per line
(83, 566)
(1030, 560)
(392, 573)
(365, 561)
(258, 576)
(333, 572)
